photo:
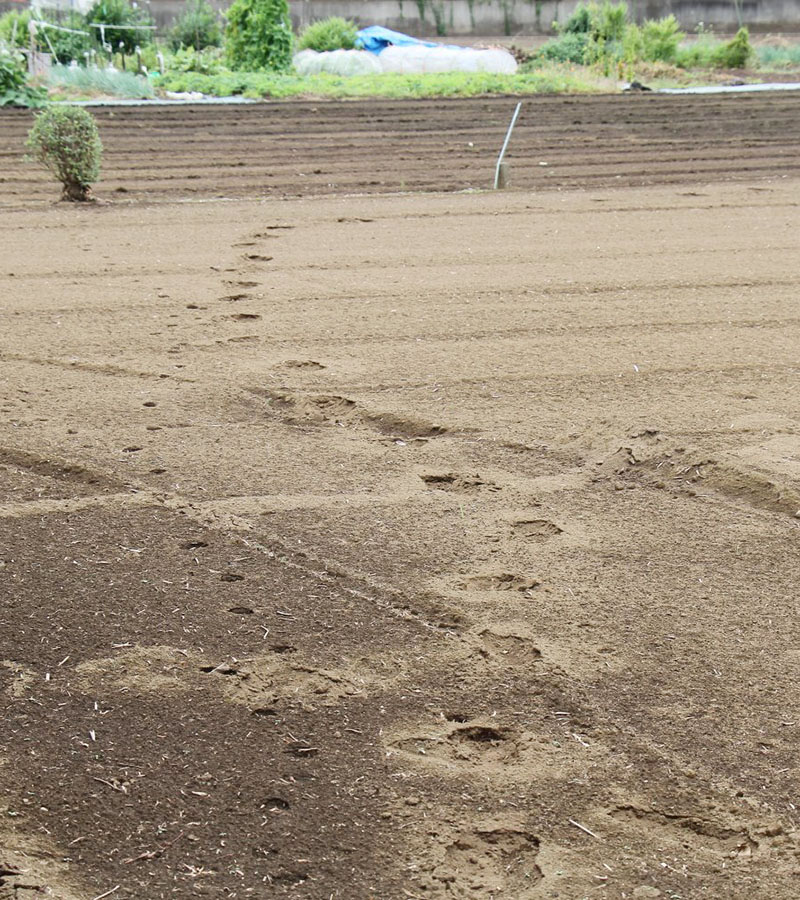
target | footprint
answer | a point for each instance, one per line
(495, 858)
(241, 317)
(501, 582)
(300, 364)
(539, 530)
(470, 742)
(509, 647)
(464, 484)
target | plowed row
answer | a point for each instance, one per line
(312, 148)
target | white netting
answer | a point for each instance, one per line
(417, 59)
(337, 62)
(410, 60)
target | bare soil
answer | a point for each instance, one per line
(412, 546)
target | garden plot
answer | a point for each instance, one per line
(415, 546)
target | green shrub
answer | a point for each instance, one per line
(736, 53)
(14, 87)
(660, 39)
(567, 47)
(64, 139)
(120, 12)
(334, 33)
(197, 27)
(259, 35)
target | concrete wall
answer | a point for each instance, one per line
(499, 17)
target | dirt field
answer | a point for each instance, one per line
(427, 546)
(301, 149)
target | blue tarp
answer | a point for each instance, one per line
(376, 38)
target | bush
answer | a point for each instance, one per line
(120, 12)
(65, 140)
(259, 35)
(660, 39)
(736, 53)
(198, 27)
(334, 33)
(14, 88)
(568, 47)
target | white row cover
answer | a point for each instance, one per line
(408, 60)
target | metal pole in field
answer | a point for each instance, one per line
(505, 145)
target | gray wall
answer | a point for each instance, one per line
(498, 17)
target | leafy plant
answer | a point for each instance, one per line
(14, 87)
(198, 27)
(333, 33)
(65, 140)
(660, 39)
(259, 35)
(121, 12)
(736, 53)
(206, 62)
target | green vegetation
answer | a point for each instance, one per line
(259, 35)
(197, 27)
(774, 57)
(14, 87)
(120, 12)
(600, 33)
(65, 141)
(328, 34)
(550, 79)
(81, 82)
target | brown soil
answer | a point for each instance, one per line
(324, 148)
(431, 546)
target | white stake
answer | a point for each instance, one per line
(505, 144)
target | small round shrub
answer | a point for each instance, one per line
(334, 33)
(65, 140)
(198, 27)
(120, 12)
